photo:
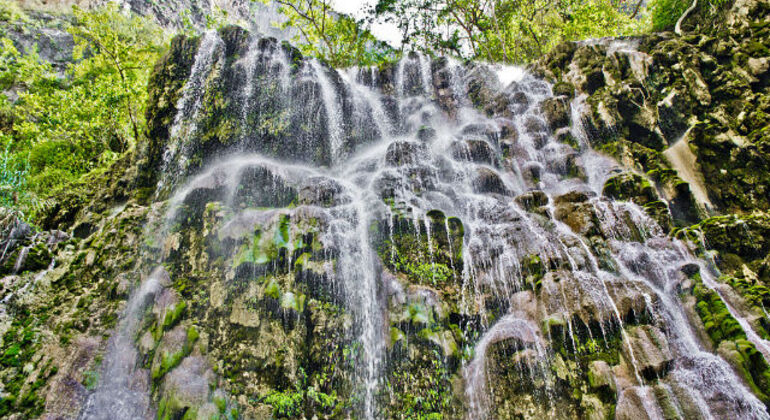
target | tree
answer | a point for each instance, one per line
(511, 31)
(109, 40)
(335, 38)
(63, 126)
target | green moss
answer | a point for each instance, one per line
(428, 257)
(719, 324)
(173, 316)
(273, 290)
(170, 361)
(630, 187)
(292, 402)
(725, 331)
(396, 335)
(289, 300)
(421, 388)
(91, 379)
(18, 350)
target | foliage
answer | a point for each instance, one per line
(11, 12)
(63, 126)
(511, 31)
(335, 38)
(427, 273)
(291, 402)
(665, 13)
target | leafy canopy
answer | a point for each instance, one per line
(336, 38)
(511, 31)
(64, 124)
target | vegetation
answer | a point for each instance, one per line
(510, 31)
(338, 39)
(62, 126)
(665, 13)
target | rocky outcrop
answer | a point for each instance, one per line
(642, 94)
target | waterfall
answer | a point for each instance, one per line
(509, 327)
(123, 389)
(189, 104)
(479, 234)
(333, 117)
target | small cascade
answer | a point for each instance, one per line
(761, 344)
(188, 107)
(512, 328)
(123, 391)
(189, 104)
(367, 105)
(426, 75)
(331, 106)
(263, 58)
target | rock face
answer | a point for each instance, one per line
(411, 241)
(711, 84)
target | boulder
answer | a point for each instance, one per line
(474, 150)
(402, 153)
(321, 191)
(629, 186)
(556, 112)
(631, 406)
(532, 201)
(600, 375)
(759, 66)
(488, 181)
(650, 349)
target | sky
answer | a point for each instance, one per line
(387, 32)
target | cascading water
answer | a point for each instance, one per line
(514, 248)
(123, 390)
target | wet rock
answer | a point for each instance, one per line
(631, 406)
(600, 375)
(67, 393)
(474, 150)
(426, 134)
(564, 89)
(630, 187)
(520, 101)
(650, 351)
(574, 197)
(594, 409)
(759, 66)
(508, 132)
(593, 81)
(531, 172)
(577, 212)
(539, 140)
(261, 187)
(533, 201)
(535, 125)
(690, 269)
(488, 181)
(323, 192)
(83, 230)
(564, 135)
(402, 153)
(556, 113)
(187, 388)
